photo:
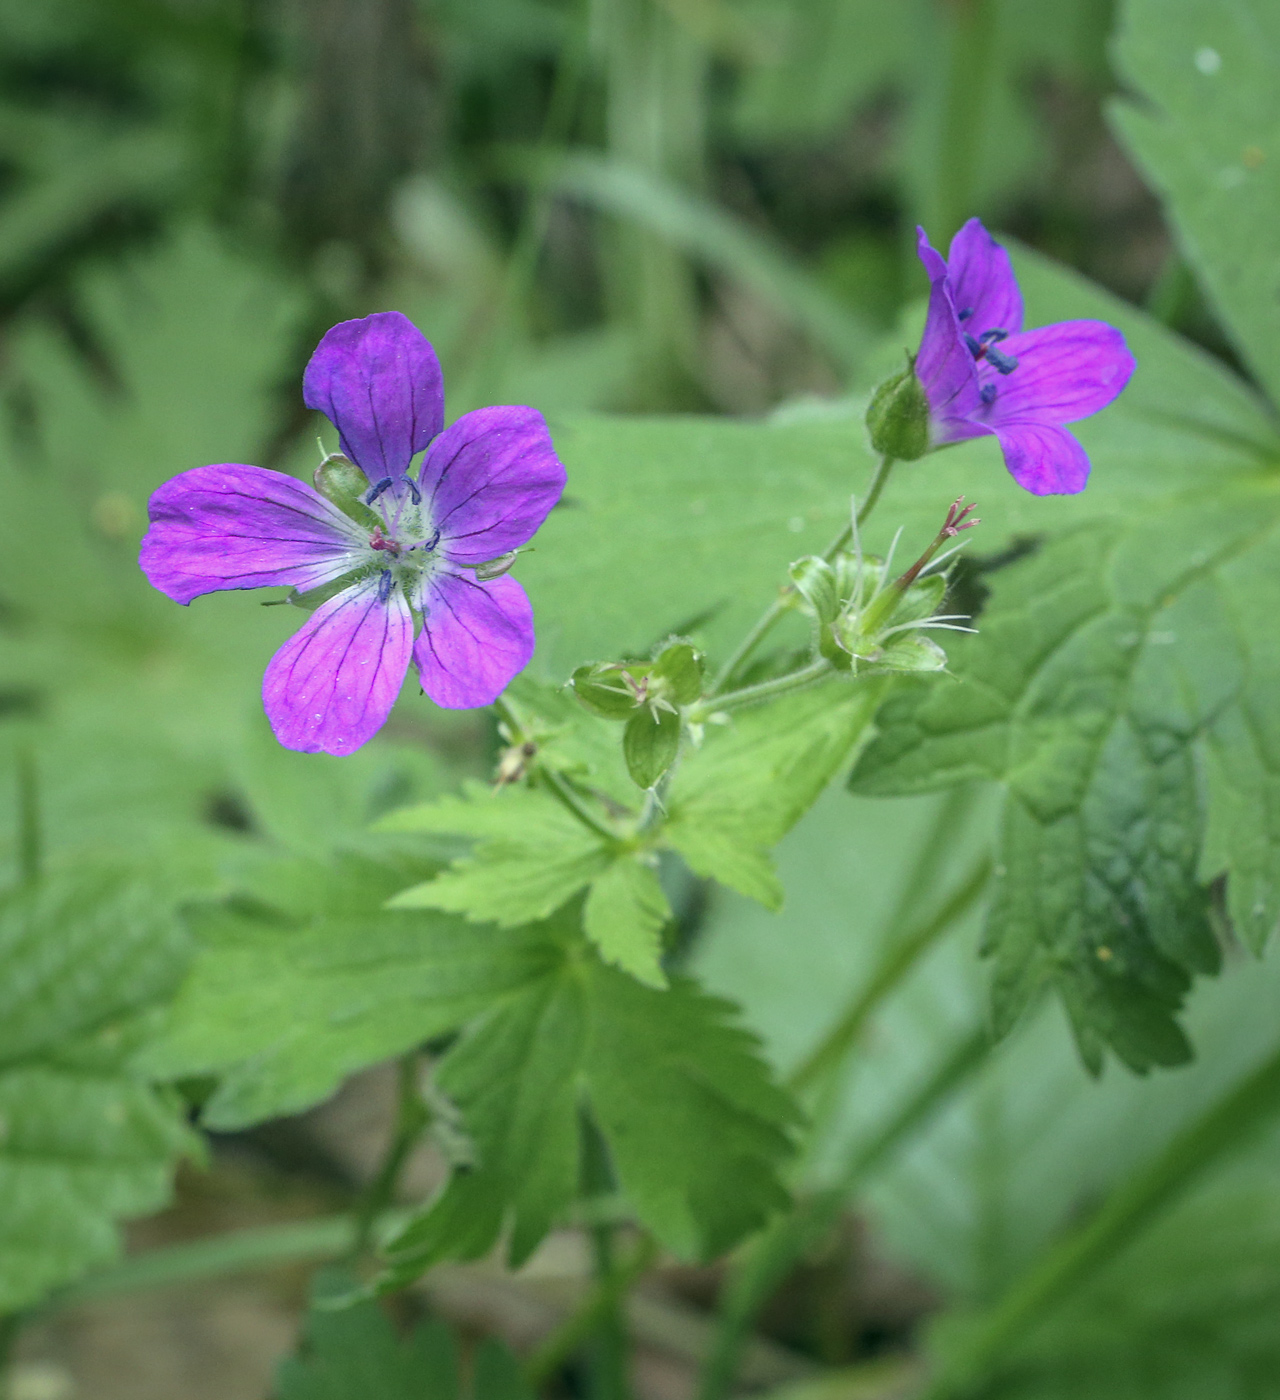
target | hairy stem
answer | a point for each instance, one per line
(782, 604)
(570, 800)
(1129, 1209)
(766, 690)
(412, 1116)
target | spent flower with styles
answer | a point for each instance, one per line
(383, 549)
(983, 374)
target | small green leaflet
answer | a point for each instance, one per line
(1100, 665)
(84, 1140)
(696, 1128)
(353, 1353)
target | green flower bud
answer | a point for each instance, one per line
(342, 483)
(817, 584)
(679, 668)
(650, 743)
(898, 416)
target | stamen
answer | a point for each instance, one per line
(385, 584)
(429, 545)
(1006, 364)
(987, 394)
(375, 491)
(965, 314)
(413, 490)
(976, 350)
(988, 336)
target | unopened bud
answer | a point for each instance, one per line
(898, 416)
(495, 568)
(679, 669)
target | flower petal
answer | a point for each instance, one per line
(491, 478)
(331, 686)
(945, 364)
(378, 382)
(1065, 372)
(231, 526)
(475, 638)
(1043, 458)
(982, 281)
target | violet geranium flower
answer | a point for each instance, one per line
(408, 550)
(982, 373)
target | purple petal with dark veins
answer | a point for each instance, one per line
(1043, 458)
(476, 638)
(331, 686)
(982, 281)
(945, 365)
(231, 526)
(378, 382)
(490, 479)
(1065, 372)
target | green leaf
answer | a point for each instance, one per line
(312, 979)
(1207, 135)
(650, 743)
(532, 855)
(1099, 665)
(624, 916)
(84, 1140)
(654, 1068)
(354, 1353)
(737, 796)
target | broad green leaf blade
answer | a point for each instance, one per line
(1099, 664)
(737, 796)
(624, 915)
(282, 1004)
(533, 855)
(1207, 135)
(84, 1140)
(655, 1068)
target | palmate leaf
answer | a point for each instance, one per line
(1100, 665)
(84, 1140)
(695, 1127)
(309, 980)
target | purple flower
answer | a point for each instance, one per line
(484, 486)
(982, 373)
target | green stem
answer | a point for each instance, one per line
(604, 1298)
(570, 800)
(894, 965)
(1123, 1216)
(606, 1337)
(412, 1116)
(766, 690)
(776, 1252)
(30, 846)
(782, 604)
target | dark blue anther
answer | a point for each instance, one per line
(413, 490)
(975, 349)
(432, 542)
(385, 583)
(988, 336)
(375, 491)
(965, 314)
(987, 394)
(1006, 364)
